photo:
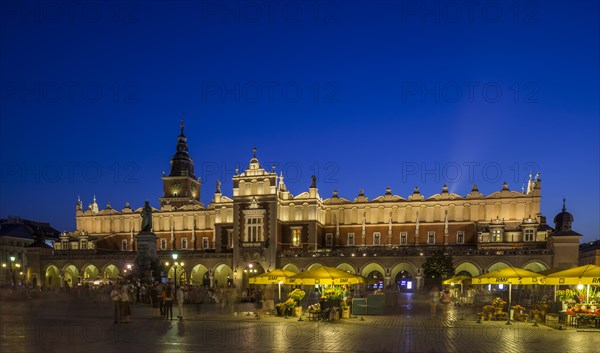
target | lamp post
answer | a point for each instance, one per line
(174, 256)
(12, 273)
(4, 273)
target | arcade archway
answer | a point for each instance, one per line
(199, 276)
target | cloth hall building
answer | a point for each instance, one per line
(262, 226)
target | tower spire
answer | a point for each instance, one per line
(254, 152)
(564, 204)
(182, 126)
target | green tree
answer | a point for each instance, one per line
(438, 267)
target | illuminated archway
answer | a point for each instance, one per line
(467, 268)
(403, 266)
(223, 275)
(181, 273)
(110, 271)
(498, 266)
(374, 273)
(291, 267)
(252, 269)
(70, 275)
(52, 277)
(344, 266)
(199, 276)
(403, 276)
(90, 272)
(535, 266)
(311, 266)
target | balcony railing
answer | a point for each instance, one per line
(409, 251)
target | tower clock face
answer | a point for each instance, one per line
(175, 187)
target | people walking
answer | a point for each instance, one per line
(115, 296)
(162, 295)
(155, 300)
(434, 298)
(179, 296)
(168, 302)
(446, 301)
(125, 307)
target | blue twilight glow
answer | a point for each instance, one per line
(362, 94)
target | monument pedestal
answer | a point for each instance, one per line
(146, 244)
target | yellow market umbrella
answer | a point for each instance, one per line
(273, 277)
(458, 280)
(586, 274)
(324, 275)
(510, 276)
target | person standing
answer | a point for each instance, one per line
(155, 300)
(446, 300)
(125, 307)
(168, 302)
(434, 298)
(162, 295)
(115, 296)
(179, 296)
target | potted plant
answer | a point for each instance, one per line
(565, 296)
(488, 310)
(345, 310)
(290, 304)
(297, 295)
(517, 312)
(281, 307)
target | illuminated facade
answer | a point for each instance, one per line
(262, 226)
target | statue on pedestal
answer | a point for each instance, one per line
(147, 218)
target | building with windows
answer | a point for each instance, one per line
(16, 236)
(589, 253)
(261, 226)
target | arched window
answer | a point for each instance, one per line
(123, 245)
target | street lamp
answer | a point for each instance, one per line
(175, 264)
(12, 274)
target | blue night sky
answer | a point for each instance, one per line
(364, 95)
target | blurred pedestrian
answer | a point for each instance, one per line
(434, 298)
(168, 302)
(446, 300)
(125, 307)
(179, 296)
(115, 296)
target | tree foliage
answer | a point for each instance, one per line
(438, 267)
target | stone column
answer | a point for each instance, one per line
(419, 282)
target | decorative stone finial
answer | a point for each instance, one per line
(505, 185)
(218, 190)
(474, 188)
(388, 190)
(335, 194)
(416, 190)
(445, 188)
(254, 152)
(361, 192)
(314, 182)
